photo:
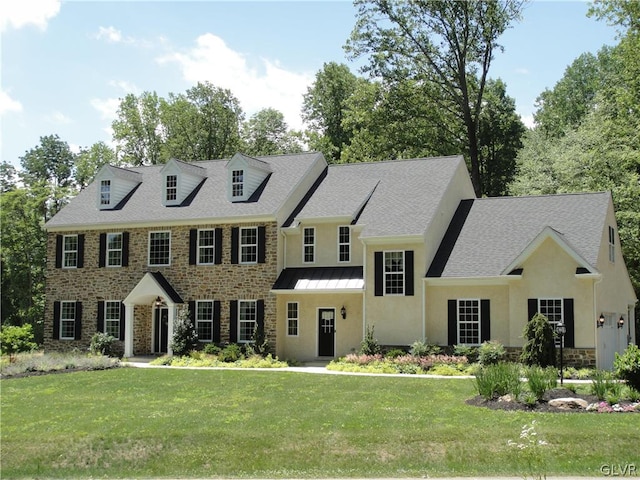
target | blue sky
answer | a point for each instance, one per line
(65, 65)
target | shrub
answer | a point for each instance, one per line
(231, 353)
(211, 349)
(15, 339)
(446, 370)
(102, 344)
(491, 352)
(424, 349)
(603, 383)
(466, 351)
(395, 353)
(541, 379)
(370, 345)
(184, 337)
(498, 379)
(627, 366)
(539, 348)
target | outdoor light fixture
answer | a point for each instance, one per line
(561, 330)
(621, 322)
(158, 302)
(343, 312)
(601, 321)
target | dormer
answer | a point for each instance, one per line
(114, 184)
(245, 174)
(179, 180)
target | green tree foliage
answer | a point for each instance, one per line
(266, 133)
(15, 339)
(184, 337)
(90, 160)
(448, 45)
(539, 347)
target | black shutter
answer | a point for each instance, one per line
(58, 251)
(56, 320)
(100, 325)
(193, 246)
(485, 321)
(532, 307)
(452, 320)
(262, 244)
(125, 249)
(408, 272)
(233, 321)
(260, 316)
(192, 312)
(569, 337)
(235, 241)
(218, 246)
(80, 251)
(102, 251)
(78, 328)
(123, 312)
(216, 321)
(378, 268)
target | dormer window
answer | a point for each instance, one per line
(245, 175)
(237, 183)
(113, 184)
(179, 180)
(172, 188)
(105, 192)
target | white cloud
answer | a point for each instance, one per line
(20, 13)
(528, 120)
(522, 71)
(58, 118)
(125, 86)
(107, 107)
(268, 85)
(8, 104)
(110, 34)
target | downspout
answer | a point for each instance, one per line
(364, 291)
(424, 310)
(594, 320)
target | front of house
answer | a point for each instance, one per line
(314, 253)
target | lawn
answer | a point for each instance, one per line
(214, 423)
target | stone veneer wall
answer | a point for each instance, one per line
(224, 282)
(572, 357)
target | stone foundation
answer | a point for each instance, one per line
(572, 357)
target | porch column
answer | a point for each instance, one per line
(172, 315)
(128, 330)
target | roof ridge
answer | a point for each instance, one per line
(546, 195)
(397, 160)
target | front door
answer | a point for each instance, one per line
(326, 332)
(161, 330)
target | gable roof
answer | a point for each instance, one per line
(494, 234)
(209, 202)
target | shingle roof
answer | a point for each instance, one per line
(496, 231)
(210, 202)
(320, 278)
(400, 197)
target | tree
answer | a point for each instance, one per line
(8, 177)
(443, 43)
(15, 339)
(266, 133)
(185, 337)
(90, 160)
(539, 347)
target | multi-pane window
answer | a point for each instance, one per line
(249, 245)
(105, 192)
(247, 316)
(469, 322)
(159, 248)
(67, 320)
(394, 273)
(204, 320)
(206, 244)
(292, 319)
(70, 251)
(172, 188)
(612, 244)
(309, 245)
(344, 244)
(552, 309)
(112, 318)
(237, 183)
(114, 249)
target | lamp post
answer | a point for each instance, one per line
(561, 329)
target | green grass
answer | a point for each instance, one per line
(190, 423)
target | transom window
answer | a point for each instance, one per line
(105, 192)
(249, 245)
(394, 273)
(159, 248)
(114, 249)
(344, 244)
(612, 244)
(552, 309)
(237, 183)
(469, 322)
(204, 320)
(292, 319)
(206, 247)
(70, 251)
(172, 188)
(309, 245)
(67, 320)
(247, 316)
(112, 318)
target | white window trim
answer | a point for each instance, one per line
(102, 192)
(65, 251)
(342, 243)
(553, 323)
(240, 245)
(149, 249)
(63, 320)
(385, 273)
(166, 188)
(296, 318)
(612, 244)
(107, 250)
(105, 319)
(198, 247)
(240, 322)
(195, 317)
(235, 183)
(477, 300)
(305, 245)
